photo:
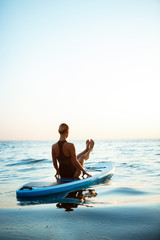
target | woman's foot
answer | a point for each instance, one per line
(91, 145)
(87, 145)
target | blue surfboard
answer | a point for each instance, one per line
(37, 189)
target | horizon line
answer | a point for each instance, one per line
(96, 139)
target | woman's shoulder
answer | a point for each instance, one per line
(54, 145)
(69, 145)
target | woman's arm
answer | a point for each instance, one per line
(54, 159)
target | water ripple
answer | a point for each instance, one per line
(27, 161)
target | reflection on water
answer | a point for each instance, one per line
(80, 195)
(66, 200)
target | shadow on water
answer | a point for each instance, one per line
(66, 200)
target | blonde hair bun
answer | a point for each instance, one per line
(63, 128)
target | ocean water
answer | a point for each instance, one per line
(129, 200)
(136, 162)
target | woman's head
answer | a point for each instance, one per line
(63, 128)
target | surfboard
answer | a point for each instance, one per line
(37, 189)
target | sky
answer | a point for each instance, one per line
(91, 64)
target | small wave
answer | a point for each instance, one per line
(125, 164)
(127, 191)
(36, 160)
(134, 166)
(27, 169)
(27, 162)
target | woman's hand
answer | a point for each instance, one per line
(85, 173)
(57, 175)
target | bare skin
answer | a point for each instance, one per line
(69, 151)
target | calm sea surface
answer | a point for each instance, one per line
(136, 178)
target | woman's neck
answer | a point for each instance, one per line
(62, 138)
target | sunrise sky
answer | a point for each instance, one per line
(92, 64)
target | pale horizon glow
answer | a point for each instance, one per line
(91, 64)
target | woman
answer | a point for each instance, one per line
(65, 161)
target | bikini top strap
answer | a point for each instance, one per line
(60, 145)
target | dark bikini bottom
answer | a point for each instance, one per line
(67, 171)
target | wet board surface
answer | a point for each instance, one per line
(33, 189)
